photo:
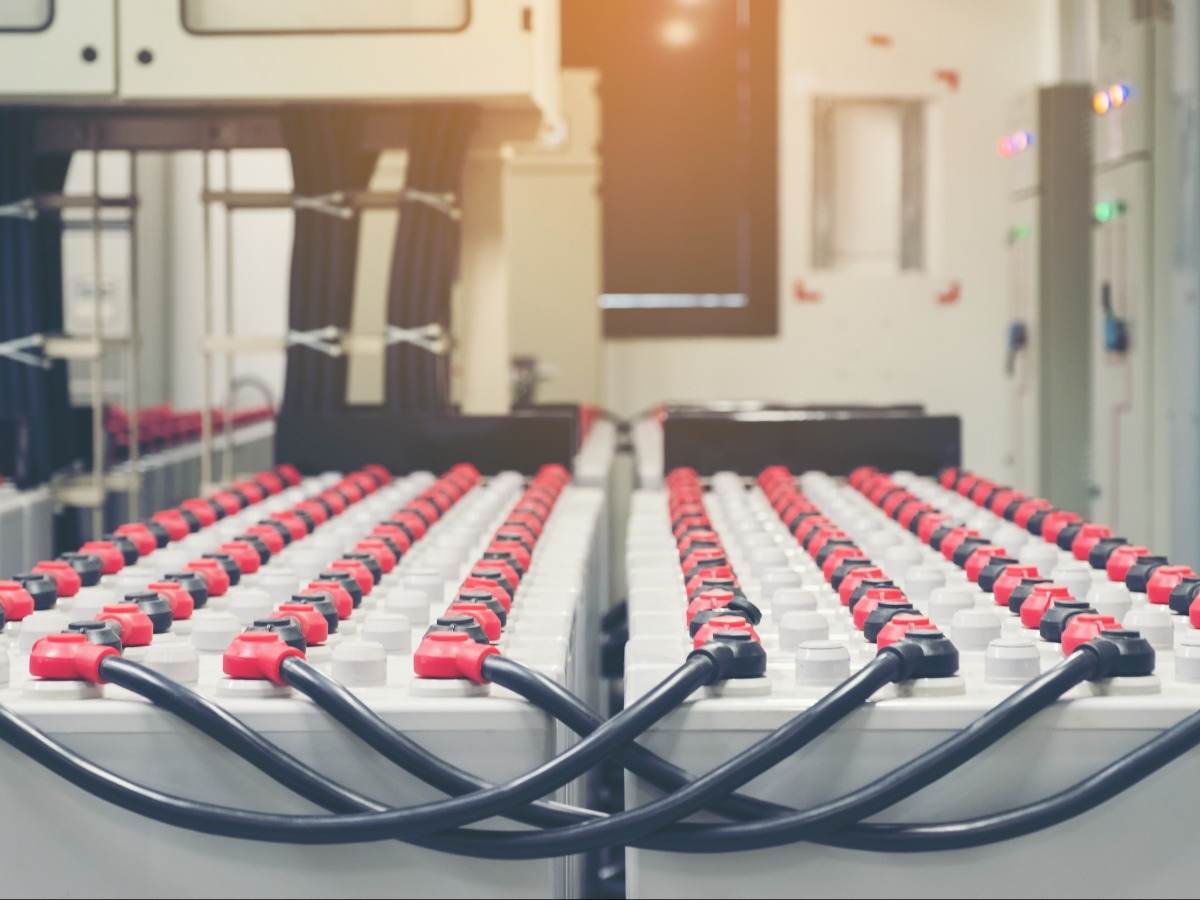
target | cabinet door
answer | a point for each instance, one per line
(56, 48)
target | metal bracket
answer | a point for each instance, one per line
(15, 350)
(430, 337)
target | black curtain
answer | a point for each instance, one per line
(36, 426)
(425, 256)
(326, 147)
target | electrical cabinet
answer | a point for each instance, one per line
(57, 48)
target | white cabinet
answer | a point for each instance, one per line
(57, 49)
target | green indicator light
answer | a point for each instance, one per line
(1106, 212)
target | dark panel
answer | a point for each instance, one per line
(836, 444)
(434, 442)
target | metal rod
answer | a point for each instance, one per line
(206, 472)
(133, 358)
(97, 363)
(335, 201)
(227, 467)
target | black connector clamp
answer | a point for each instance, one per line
(734, 654)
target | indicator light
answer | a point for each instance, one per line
(1106, 211)
(1101, 102)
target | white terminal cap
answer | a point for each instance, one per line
(412, 603)
(1110, 599)
(390, 630)
(802, 627)
(899, 559)
(248, 604)
(945, 602)
(177, 660)
(213, 631)
(822, 662)
(1039, 553)
(767, 557)
(1187, 656)
(777, 579)
(1011, 661)
(974, 629)
(1155, 624)
(921, 581)
(360, 663)
(37, 625)
(1075, 577)
(793, 599)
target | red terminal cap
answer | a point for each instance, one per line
(258, 656)
(295, 526)
(893, 501)
(201, 509)
(1008, 580)
(268, 536)
(872, 599)
(507, 572)
(451, 654)
(396, 535)
(312, 623)
(1089, 536)
(947, 478)
(722, 623)
(1082, 628)
(499, 594)
(1055, 522)
(910, 512)
(696, 582)
(16, 602)
(135, 626)
(335, 500)
(229, 502)
(316, 511)
(341, 598)
(835, 557)
(966, 482)
(215, 578)
(68, 657)
(481, 613)
(900, 625)
(1163, 581)
(1002, 499)
(714, 599)
(243, 554)
(110, 556)
(982, 490)
(253, 491)
(174, 523)
(381, 552)
(1122, 559)
(289, 473)
(1194, 613)
(140, 535)
(519, 553)
(1040, 599)
(702, 554)
(823, 536)
(854, 578)
(182, 604)
(352, 491)
(929, 524)
(361, 574)
(66, 580)
(1026, 510)
(979, 559)
(955, 537)
(412, 522)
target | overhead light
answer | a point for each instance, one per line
(677, 32)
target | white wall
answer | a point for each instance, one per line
(882, 338)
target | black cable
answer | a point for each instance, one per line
(1097, 788)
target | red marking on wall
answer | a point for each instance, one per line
(801, 293)
(952, 294)
(948, 77)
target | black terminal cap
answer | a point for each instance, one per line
(1123, 653)
(288, 629)
(738, 606)
(828, 547)
(714, 562)
(794, 522)
(41, 588)
(914, 524)
(403, 526)
(330, 512)
(370, 562)
(419, 513)
(396, 549)
(464, 623)
(107, 634)
(807, 530)
(161, 536)
(1182, 595)
(718, 584)
(1055, 619)
(193, 583)
(845, 567)
(259, 545)
(993, 570)
(1022, 591)
(86, 566)
(484, 597)
(518, 537)
(189, 517)
(935, 539)
(129, 550)
(279, 528)
(1010, 511)
(889, 492)
(495, 575)
(924, 653)
(964, 550)
(156, 607)
(347, 581)
(228, 563)
(507, 557)
(1037, 520)
(322, 603)
(243, 497)
(881, 615)
(865, 585)
(217, 508)
(1102, 550)
(1139, 573)
(1066, 537)
(735, 654)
